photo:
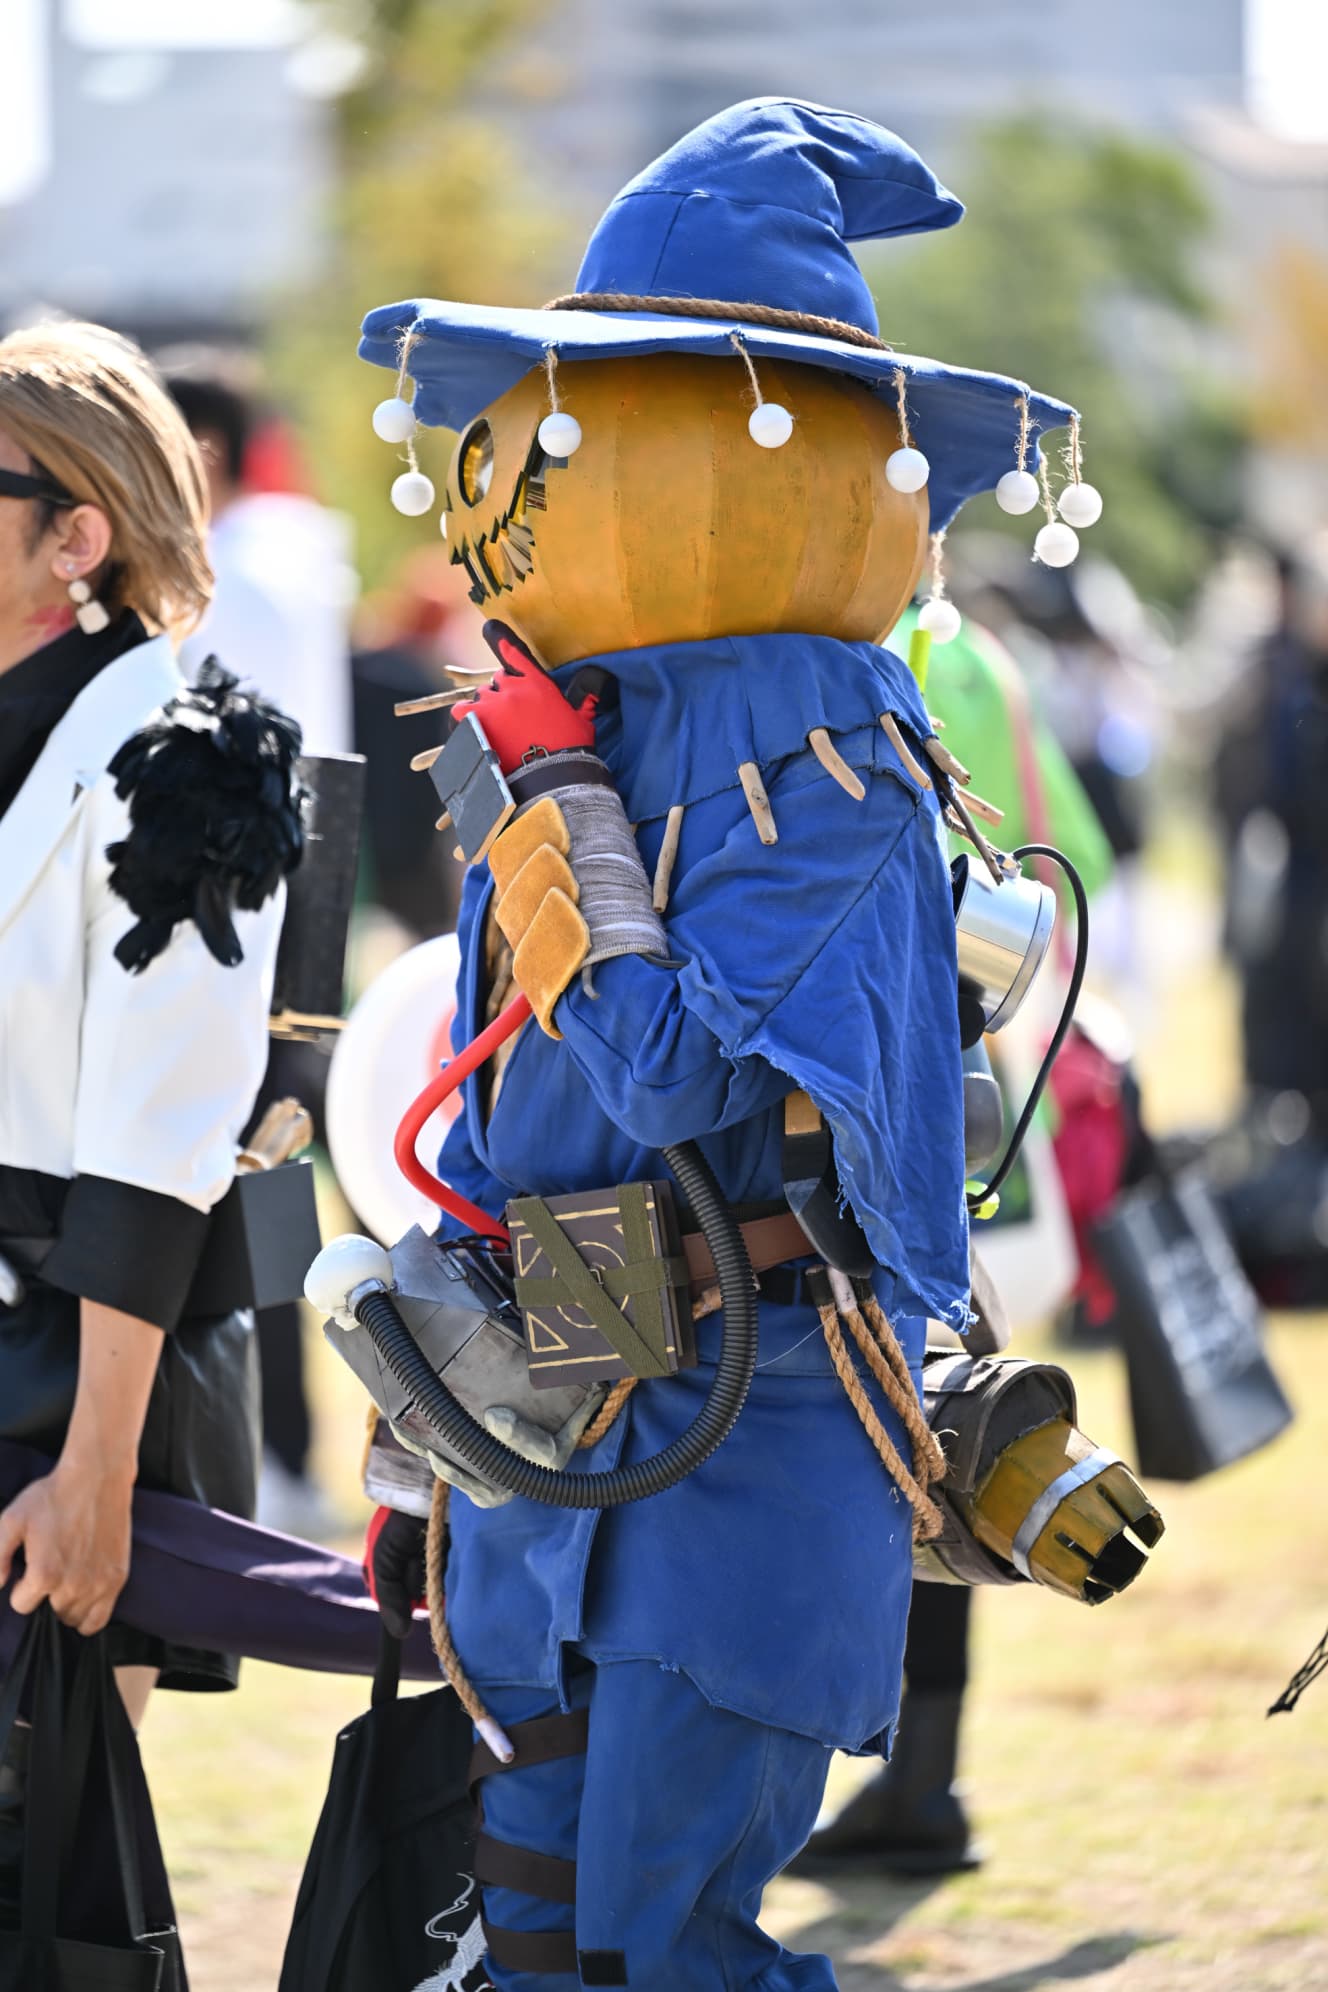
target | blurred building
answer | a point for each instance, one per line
(602, 86)
(169, 183)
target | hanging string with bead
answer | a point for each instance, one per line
(559, 432)
(769, 424)
(1056, 545)
(394, 421)
(1017, 491)
(1080, 504)
(938, 616)
(906, 469)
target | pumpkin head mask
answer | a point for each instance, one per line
(669, 524)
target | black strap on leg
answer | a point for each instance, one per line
(541, 1741)
(501, 1865)
(531, 1950)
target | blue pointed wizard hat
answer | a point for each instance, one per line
(741, 227)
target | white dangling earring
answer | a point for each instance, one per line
(89, 613)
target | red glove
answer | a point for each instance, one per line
(521, 707)
(394, 1567)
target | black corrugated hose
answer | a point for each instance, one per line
(712, 1424)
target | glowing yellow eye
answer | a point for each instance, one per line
(475, 462)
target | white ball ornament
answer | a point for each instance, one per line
(770, 425)
(941, 620)
(412, 493)
(1017, 492)
(560, 434)
(1056, 545)
(1080, 505)
(394, 421)
(907, 470)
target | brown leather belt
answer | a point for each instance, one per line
(770, 1241)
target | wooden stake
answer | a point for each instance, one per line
(668, 852)
(900, 745)
(758, 802)
(404, 708)
(940, 757)
(425, 759)
(834, 763)
(986, 812)
(976, 838)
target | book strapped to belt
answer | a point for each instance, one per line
(602, 1284)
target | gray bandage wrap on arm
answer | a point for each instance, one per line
(615, 892)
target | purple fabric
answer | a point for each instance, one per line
(207, 1579)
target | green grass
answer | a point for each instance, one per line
(1147, 1829)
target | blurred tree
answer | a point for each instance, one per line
(1077, 268)
(432, 201)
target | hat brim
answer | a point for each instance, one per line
(466, 355)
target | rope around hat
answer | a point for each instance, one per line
(718, 307)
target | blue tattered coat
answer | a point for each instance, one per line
(777, 1576)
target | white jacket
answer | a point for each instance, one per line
(145, 1079)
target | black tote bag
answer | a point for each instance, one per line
(1202, 1391)
(388, 1901)
(89, 1841)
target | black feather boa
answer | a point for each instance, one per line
(215, 814)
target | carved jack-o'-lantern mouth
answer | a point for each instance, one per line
(498, 559)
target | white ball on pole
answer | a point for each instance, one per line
(941, 620)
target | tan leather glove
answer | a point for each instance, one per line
(536, 906)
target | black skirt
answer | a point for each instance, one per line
(200, 1438)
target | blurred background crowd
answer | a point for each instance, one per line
(234, 182)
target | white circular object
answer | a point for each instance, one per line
(1017, 492)
(907, 470)
(1080, 505)
(412, 493)
(341, 1267)
(1056, 545)
(560, 434)
(391, 1047)
(941, 620)
(394, 421)
(770, 425)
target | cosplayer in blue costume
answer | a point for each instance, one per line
(727, 1635)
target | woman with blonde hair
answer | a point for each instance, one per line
(145, 830)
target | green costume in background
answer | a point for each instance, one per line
(971, 684)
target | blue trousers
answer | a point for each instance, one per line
(676, 1816)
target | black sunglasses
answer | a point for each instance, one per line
(18, 484)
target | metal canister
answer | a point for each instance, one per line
(1002, 934)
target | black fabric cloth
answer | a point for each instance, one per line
(36, 693)
(409, 868)
(287, 1424)
(936, 1650)
(127, 1247)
